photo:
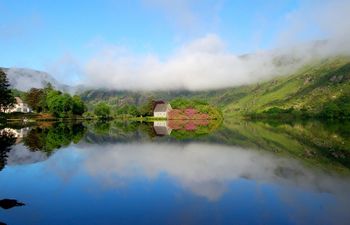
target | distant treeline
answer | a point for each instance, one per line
(50, 100)
(105, 110)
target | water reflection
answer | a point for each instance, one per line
(10, 203)
(260, 172)
(7, 139)
(50, 138)
(206, 170)
(161, 128)
(323, 145)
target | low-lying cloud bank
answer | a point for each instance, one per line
(202, 64)
(206, 63)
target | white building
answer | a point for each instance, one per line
(161, 110)
(19, 106)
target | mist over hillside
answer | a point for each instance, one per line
(24, 79)
(215, 69)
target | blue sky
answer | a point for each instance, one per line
(37, 32)
(76, 40)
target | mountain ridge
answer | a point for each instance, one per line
(24, 79)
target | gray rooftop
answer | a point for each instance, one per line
(161, 107)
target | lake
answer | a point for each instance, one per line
(234, 172)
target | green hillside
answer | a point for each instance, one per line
(325, 145)
(307, 89)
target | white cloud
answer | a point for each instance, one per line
(318, 19)
(202, 64)
(206, 63)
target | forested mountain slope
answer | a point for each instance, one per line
(307, 89)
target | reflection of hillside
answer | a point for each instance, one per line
(160, 131)
(116, 131)
(325, 145)
(313, 142)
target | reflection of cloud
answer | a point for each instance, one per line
(19, 154)
(204, 169)
(210, 171)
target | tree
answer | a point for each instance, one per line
(59, 104)
(43, 103)
(102, 110)
(35, 98)
(132, 110)
(6, 98)
(78, 105)
(147, 108)
(330, 110)
(128, 110)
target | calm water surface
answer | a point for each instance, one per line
(128, 173)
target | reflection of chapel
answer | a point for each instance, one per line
(161, 128)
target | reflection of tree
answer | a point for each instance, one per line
(189, 129)
(35, 140)
(6, 141)
(126, 126)
(147, 128)
(48, 139)
(102, 127)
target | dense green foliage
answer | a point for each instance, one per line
(339, 108)
(128, 110)
(53, 101)
(335, 109)
(147, 108)
(59, 104)
(78, 107)
(102, 110)
(6, 98)
(36, 99)
(201, 106)
(18, 93)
